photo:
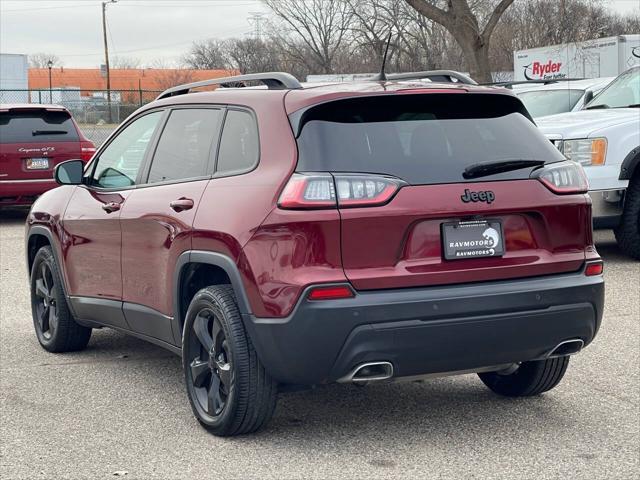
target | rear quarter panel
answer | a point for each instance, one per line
(232, 208)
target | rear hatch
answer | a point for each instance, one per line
(34, 141)
(438, 188)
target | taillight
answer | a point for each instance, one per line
(308, 191)
(594, 268)
(344, 190)
(563, 177)
(87, 149)
(364, 190)
(332, 292)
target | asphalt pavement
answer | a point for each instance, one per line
(119, 409)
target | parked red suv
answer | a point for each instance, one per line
(289, 235)
(33, 140)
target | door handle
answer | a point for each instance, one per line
(111, 207)
(181, 204)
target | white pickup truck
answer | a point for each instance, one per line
(605, 138)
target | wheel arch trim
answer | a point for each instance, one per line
(630, 164)
(210, 258)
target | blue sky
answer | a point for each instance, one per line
(144, 29)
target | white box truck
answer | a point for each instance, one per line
(14, 78)
(603, 57)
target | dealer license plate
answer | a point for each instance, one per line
(473, 239)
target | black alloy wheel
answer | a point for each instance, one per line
(44, 301)
(210, 365)
(56, 328)
(229, 390)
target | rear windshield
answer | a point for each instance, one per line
(549, 102)
(422, 139)
(32, 126)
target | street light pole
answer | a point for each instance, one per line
(50, 66)
(106, 55)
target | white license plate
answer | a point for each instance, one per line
(37, 163)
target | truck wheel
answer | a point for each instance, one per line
(628, 232)
(56, 329)
(228, 388)
(531, 378)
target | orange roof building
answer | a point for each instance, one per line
(87, 79)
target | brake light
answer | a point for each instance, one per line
(594, 268)
(308, 191)
(563, 177)
(333, 292)
(344, 190)
(87, 149)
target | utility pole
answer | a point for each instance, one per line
(106, 55)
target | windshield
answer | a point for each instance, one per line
(623, 92)
(422, 139)
(549, 102)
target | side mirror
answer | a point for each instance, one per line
(69, 172)
(588, 96)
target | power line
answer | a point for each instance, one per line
(166, 4)
(155, 47)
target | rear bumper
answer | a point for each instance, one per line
(23, 192)
(429, 330)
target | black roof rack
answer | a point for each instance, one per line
(273, 80)
(533, 82)
(447, 76)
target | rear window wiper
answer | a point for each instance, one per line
(489, 168)
(593, 107)
(49, 132)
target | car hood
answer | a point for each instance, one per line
(581, 124)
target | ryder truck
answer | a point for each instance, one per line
(603, 57)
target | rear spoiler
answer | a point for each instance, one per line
(35, 106)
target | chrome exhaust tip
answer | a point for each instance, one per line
(568, 347)
(369, 372)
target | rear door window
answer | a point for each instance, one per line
(35, 126)
(240, 144)
(422, 139)
(186, 145)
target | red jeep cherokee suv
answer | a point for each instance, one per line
(286, 236)
(33, 140)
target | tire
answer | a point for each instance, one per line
(56, 329)
(229, 390)
(628, 232)
(530, 379)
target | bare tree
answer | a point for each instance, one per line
(208, 55)
(252, 55)
(163, 63)
(125, 62)
(41, 60)
(460, 19)
(171, 78)
(314, 31)
(348, 36)
(372, 26)
(556, 23)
